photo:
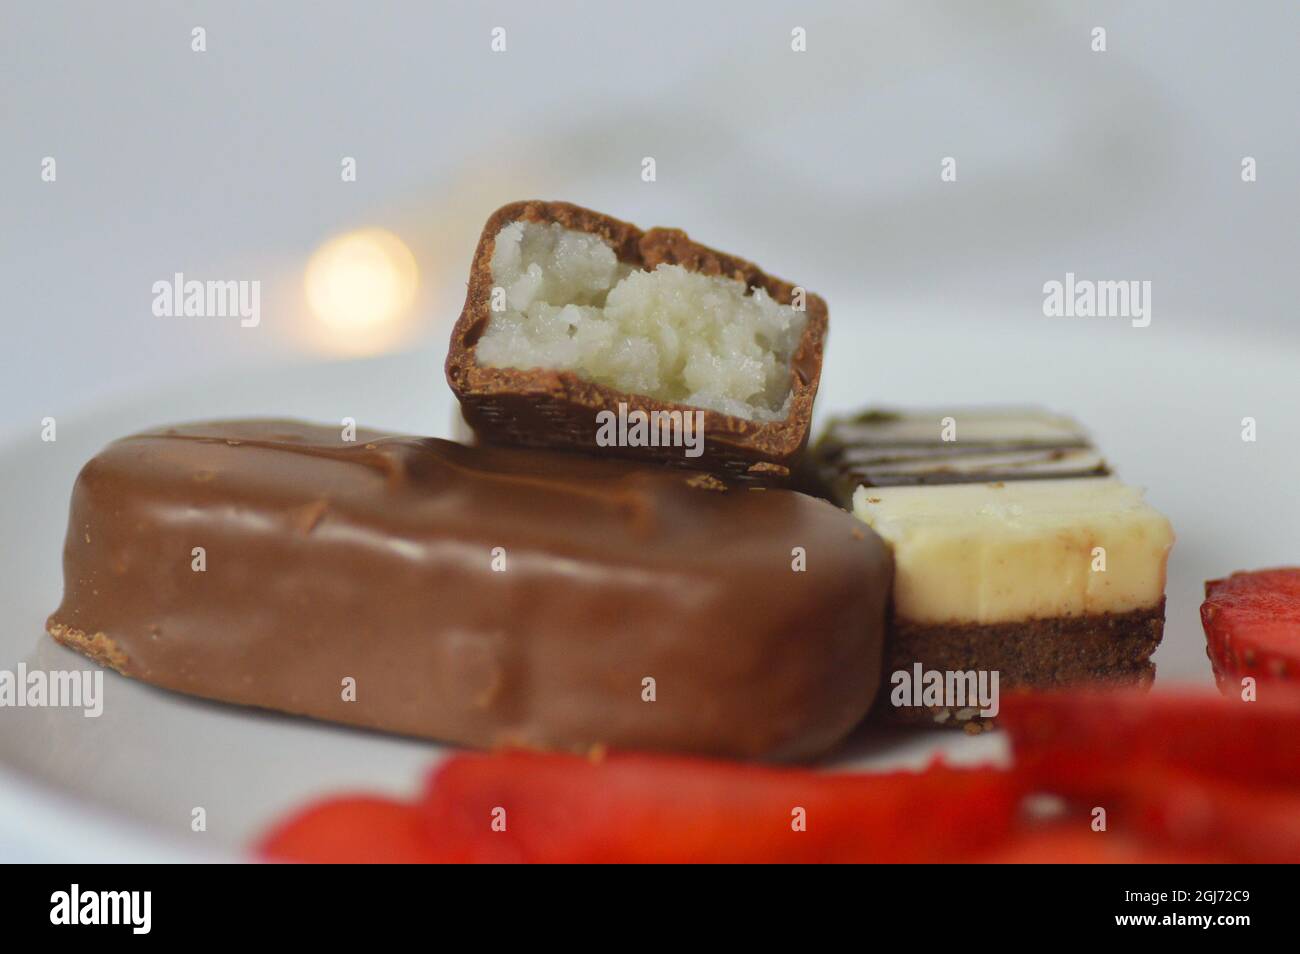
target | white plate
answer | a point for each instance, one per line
(1166, 407)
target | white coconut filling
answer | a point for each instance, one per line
(567, 303)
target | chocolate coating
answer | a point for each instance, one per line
(536, 407)
(374, 560)
(883, 448)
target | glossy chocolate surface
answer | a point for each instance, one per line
(478, 595)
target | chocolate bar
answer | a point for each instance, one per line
(1016, 550)
(477, 595)
(583, 332)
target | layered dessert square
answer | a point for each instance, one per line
(1016, 552)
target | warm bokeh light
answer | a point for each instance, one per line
(360, 285)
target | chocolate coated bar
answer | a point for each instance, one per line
(478, 595)
(537, 405)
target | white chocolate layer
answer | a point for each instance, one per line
(994, 553)
(885, 462)
(670, 334)
(970, 425)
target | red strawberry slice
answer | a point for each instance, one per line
(1237, 820)
(1077, 844)
(358, 829)
(1252, 627)
(642, 808)
(649, 809)
(1081, 742)
(1156, 814)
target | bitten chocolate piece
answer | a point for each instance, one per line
(571, 313)
(1016, 551)
(478, 595)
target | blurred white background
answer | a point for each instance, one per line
(822, 166)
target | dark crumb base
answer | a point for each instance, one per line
(1109, 649)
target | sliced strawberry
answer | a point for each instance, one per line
(1252, 627)
(1077, 844)
(1081, 741)
(352, 830)
(646, 809)
(1236, 820)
